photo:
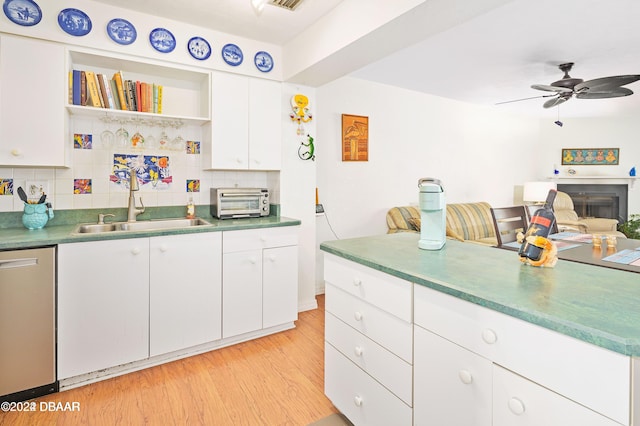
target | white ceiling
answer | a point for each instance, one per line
(491, 58)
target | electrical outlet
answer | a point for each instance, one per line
(36, 188)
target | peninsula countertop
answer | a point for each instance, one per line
(594, 304)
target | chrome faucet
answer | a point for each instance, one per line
(132, 211)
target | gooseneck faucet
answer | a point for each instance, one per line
(132, 210)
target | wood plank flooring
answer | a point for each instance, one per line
(274, 380)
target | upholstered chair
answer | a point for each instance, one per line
(568, 220)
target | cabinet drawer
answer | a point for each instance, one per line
(385, 291)
(394, 373)
(253, 239)
(590, 375)
(359, 397)
(380, 326)
(519, 402)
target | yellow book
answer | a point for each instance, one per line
(70, 100)
(159, 99)
(92, 90)
(117, 77)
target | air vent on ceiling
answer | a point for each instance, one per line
(286, 4)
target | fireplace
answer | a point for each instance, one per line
(594, 200)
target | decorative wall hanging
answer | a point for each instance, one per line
(6, 186)
(199, 48)
(22, 12)
(300, 113)
(590, 156)
(355, 138)
(162, 40)
(263, 61)
(306, 151)
(232, 54)
(82, 141)
(121, 31)
(151, 170)
(74, 22)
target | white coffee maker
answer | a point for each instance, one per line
(432, 214)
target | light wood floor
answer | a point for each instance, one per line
(274, 380)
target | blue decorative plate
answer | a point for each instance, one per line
(232, 54)
(74, 22)
(121, 31)
(263, 61)
(199, 48)
(162, 40)
(22, 12)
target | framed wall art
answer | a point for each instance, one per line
(590, 156)
(355, 138)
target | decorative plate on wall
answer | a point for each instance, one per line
(199, 48)
(263, 61)
(162, 40)
(22, 12)
(74, 22)
(232, 54)
(121, 31)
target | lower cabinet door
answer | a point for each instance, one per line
(279, 285)
(103, 305)
(452, 386)
(520, 402)
(241, 292)
(358, 396)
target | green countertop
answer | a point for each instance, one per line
(594, 304)
(51, 234)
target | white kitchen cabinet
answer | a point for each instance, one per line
(103, 305)
(452, 385)
(185, 299)
(32, 90)
(246, 123)
(368, 343)
(260, 279)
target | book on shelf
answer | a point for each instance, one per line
(119, 84)
(114, 92)
(155, 98)
(83, 88)
(160, 88)
(108, 92)
(76, 87)
(70, 88)
(103, 90)
(139, 95)
(93, 95)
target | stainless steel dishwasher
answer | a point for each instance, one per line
(27, 324)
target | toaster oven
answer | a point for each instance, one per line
(230, 203)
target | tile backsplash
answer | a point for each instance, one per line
(173, 174)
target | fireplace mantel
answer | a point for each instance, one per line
(629, 180)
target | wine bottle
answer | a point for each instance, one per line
(540, 225)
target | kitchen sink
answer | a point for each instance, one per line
(146, 225)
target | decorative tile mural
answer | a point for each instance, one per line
(82, 186)
(193, 147)
(81, 141)
(6, 186)
(193, 185)
(152, 170)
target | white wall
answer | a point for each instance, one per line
(479, 154)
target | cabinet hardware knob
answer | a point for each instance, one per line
(357, 400)
(516, 406)
(239, 160)
(135, 250)
(358, 316)
(164, 248)
(489, 336)
(272, 258)
(252, 260)
(357, 282)
(358, 351)
(16, 152)
(465, 377)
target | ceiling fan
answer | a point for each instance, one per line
(567, 87)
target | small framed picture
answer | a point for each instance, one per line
(590, 156)
(355, 138)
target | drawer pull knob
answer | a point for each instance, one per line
(516, 406)
(465, 377)
(16, 152)
(358, 351)
(253, 260)
(489, 336)
(358, 316)
(357, 400)
(135, 250)
(357, 282)
(164, 248)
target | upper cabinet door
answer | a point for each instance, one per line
(230, 122)
(32, 94)
(265, 124)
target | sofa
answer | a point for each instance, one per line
(469, 222)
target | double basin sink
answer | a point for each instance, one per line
(147, 225)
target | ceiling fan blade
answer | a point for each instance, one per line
(556, 101)
(524, 99)
(548, 88)
(598, 84)
(615, 93)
